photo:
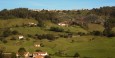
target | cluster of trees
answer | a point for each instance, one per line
(109, 24)
(56, 29)
(104, 11)
(8, 32)
(46, 36)
(26, 13)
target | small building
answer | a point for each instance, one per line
(26, 55)
(63, 23)
(32, 24)
(36, 45)
(39, 54)
(20, 37)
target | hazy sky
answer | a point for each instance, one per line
(55, 4)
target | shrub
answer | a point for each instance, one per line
(7, 33)
(96, 33)
(109, 33)
(56, 29)
(46, 36)
(15, 32)
(21, 51)
(29, 35)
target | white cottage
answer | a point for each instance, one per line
(20, 37)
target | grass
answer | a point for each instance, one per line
(95, 27)
(29, 30)
(14, 22)
(100, 47)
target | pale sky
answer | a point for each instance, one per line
(55, 4)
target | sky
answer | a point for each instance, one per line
(55, 4)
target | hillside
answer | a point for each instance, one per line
(62, 34)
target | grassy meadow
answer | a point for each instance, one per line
(100, 47)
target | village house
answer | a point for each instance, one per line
(63, 23)
(34, 55)
(20, 37)
(36, 45)
(39, 54)
(26, 55)
(32, 24)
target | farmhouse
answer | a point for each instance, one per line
(26, 55)
(20, 37)
(32, 24)
(63, 23)
(39, 54)
(36, 45)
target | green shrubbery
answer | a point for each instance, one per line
(56, 29)
(46, 36)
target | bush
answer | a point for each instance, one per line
(46, 36)
(15, 32)
(108, 33)
(56, 29)
(29, 35)
(96, 33)
(21, 51)
(6, 33)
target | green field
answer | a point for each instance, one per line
(100, 47)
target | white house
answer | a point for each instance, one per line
(32, 24)
(37, 45)
(36, 54)
(63, 24)
(26, 55)
(20, 37)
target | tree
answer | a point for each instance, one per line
(6, 33)
(21, 51)
(96, 33)
(15, 32)
(109, 24)
(56, 29)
